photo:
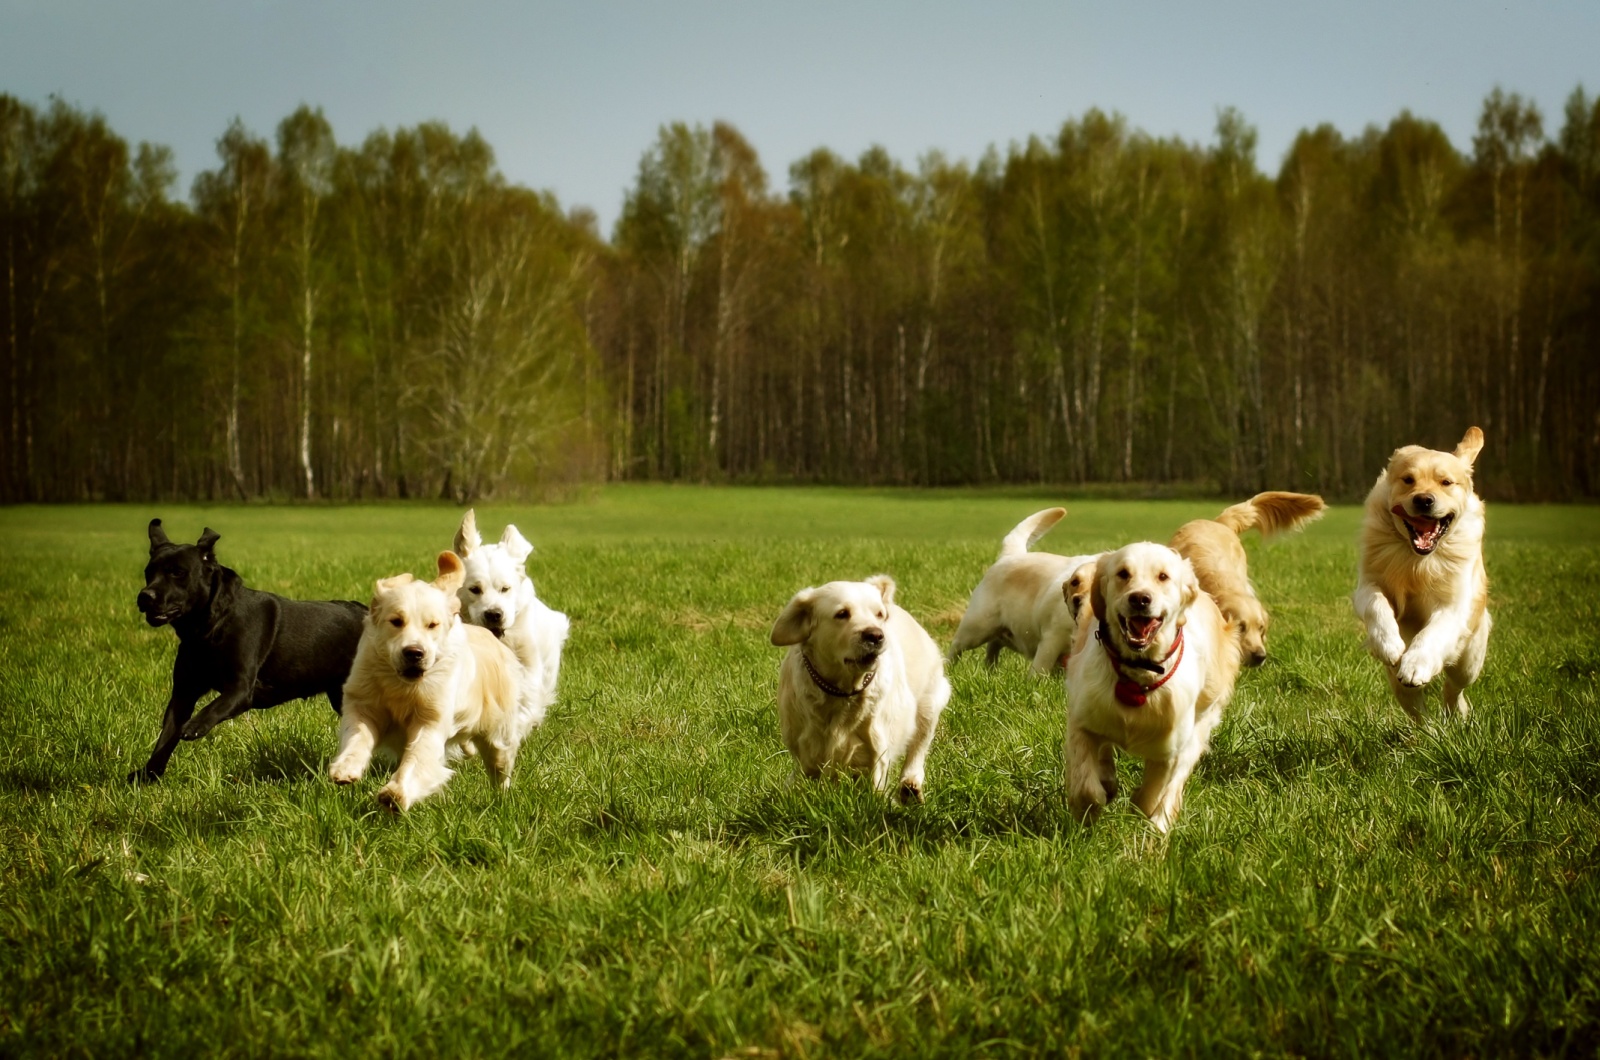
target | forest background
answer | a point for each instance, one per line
(396, 319)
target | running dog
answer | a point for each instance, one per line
(425, 684)
(861, 686)
(1154, 685)
(1422, 592)
(254, 649)
(497, 594)
(1212, 547)
(1025, 601)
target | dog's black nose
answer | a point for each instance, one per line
(1423, 502)
(146, 599)
(1139, 601)
(493, 617)
(1257, 658)
(873, 636)
(412, 655)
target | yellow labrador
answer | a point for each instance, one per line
(1024, 602)
(1151, 671)
(861, 686)
(1212, 547)
(1422, 592)
(425, 684)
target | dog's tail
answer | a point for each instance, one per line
(1273, 512)
(1030, 530)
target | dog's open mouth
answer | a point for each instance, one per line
(864, 660)
(159, 618)
(412, 672)
(1426, 532)
(1140, 630)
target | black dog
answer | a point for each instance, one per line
(255, 649)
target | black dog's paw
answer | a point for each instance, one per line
(144, 775)
(197, 727)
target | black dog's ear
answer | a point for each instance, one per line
(207, 544)
(158, 536)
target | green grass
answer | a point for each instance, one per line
(1339, 882)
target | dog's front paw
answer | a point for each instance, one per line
(1385, 645)
(910, 792)
(1417, 668)
(341, 773)
(392, 799)
(144, 775)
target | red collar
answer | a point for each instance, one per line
(1131, 693)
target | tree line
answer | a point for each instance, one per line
(396, 319)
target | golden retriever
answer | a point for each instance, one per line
(861, 686)
(1154, 685)
(1212, 547)
(424, 684)
(1422, 592)
(1024, 601)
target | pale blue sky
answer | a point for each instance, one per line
(570, 95)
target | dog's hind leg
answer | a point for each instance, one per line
(1410, 698)
(497, 760)
(186, 692)
(1461, 674)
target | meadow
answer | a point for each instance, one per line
(1340, 882)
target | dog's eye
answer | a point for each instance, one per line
(1123, 574)
(844, 612)
(477, 590)
(433, 625)
(397, 622)
(1243, 628)
(505, 588)
(1410, 480)
(1445, 482)
(1162, 577)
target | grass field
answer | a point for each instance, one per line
(1340, 883)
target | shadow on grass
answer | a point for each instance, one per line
(289, 758)
(1266, 756)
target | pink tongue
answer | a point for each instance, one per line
(1142, 627)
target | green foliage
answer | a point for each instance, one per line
(1339, 883)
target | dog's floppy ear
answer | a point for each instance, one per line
(451, 573)
(1471, 444)
(158, 536)
(796, 620)
(885, 586)
(516, 546)
(1097, 595)
(467, 537)
(208, 544)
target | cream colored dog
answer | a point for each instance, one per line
(1025, 601)
(425, 684)
(861, 686)
(1154, 685)
(1212, 547)
(1422, 592)
(497, 594)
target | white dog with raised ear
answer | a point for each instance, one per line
(424, 685)
(861, 686)
(497, 594)
(1154, 685)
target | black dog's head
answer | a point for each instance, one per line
(178, 578)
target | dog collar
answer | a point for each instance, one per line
(828, 687)
(1131, 693)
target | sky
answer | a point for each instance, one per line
(571, 95)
